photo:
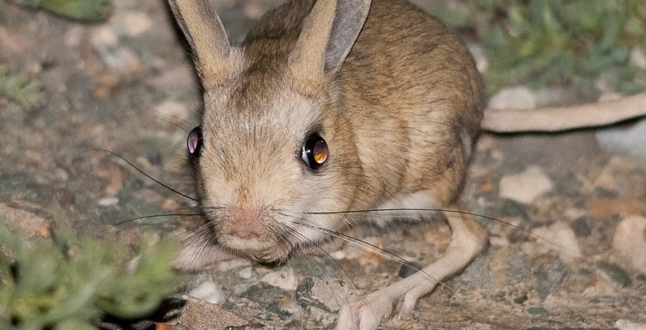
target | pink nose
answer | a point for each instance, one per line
(245, 233)
(245, 222)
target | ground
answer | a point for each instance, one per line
(127, 86)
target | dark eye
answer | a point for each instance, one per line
(194, 141)
(314, 152)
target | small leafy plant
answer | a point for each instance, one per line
(25, 92)
(67, 284)
(538, 42)
(84, 10)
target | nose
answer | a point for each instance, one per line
(245, 222)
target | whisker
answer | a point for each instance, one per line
(375, 249)
(149, 176)
(311, 246)
(163, 215)
(377, 211)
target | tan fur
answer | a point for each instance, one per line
(565, 118)
(398, 101)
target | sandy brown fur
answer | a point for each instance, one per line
(398, 101)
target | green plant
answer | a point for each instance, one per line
(538, 42)
(68, 284)
(26, 92)
(85, 10)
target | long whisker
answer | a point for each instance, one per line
(375, 249)
(376, 211)
(313, 245)
(149, 176)
(163, 215)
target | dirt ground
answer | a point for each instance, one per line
(127, 86)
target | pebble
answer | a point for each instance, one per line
(519, 97)
(626, 139)
(561, 238)
(284, 279)
(637, 57)
(201, 315)
(108, 201)
(607, 179)
(209, 291)
(479, 57)
(538, 312)
(328, 295)
(136, 23)
(613, 273)
(273, 299)
(104, 37)
(122, 59)
(526, 186)
(582, 227)
(27, 223)
(630, 240)
(549, 275)
(245, 273)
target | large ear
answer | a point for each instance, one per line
(328, 33)
(205, 34)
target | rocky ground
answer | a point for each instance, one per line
(127, 86)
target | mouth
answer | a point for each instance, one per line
(273, 252)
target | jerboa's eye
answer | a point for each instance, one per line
(314, 152)
(194, 142)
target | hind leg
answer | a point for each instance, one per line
(467, 241)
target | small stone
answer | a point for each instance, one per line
(27, 223)
(328, 295)
(614, 273)
(284, 279)
(286, 307)
(538, 311)
(549, 275)
(209, 291)
(136, 23)
(519, 97)
(108, 201)
(630, 240)
(201, 315)
(122, 59)
(520, 300)
(607, 179)
(628, 325)
(273, 299)
(526, 186)
(478, 53)
(625, 139)
(561, 238)
(581, 227)
(245, 273)
(511, 209)
(104, 37)
(603, 208)
(637, 57)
